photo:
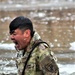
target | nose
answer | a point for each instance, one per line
(12, 37)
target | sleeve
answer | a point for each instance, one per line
(46, 63)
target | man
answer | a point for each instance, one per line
(41, 60)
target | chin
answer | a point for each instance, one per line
(20, 48)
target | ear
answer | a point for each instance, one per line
(27, 33)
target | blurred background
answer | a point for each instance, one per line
(54, 20)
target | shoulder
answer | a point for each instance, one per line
(44, 50)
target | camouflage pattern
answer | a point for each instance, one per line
(42, 61)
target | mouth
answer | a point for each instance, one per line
(16, 44)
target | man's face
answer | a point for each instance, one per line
(19, 39)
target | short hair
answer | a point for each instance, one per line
(21, 22)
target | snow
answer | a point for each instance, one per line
(72, 46)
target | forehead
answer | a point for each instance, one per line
(16, 31)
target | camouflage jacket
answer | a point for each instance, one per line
(41, 62)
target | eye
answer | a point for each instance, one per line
(14, 33)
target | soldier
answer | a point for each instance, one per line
(41, 60)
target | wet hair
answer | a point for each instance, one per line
(22, 23)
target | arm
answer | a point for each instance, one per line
(46, 64)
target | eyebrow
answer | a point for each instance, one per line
(11, 32)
